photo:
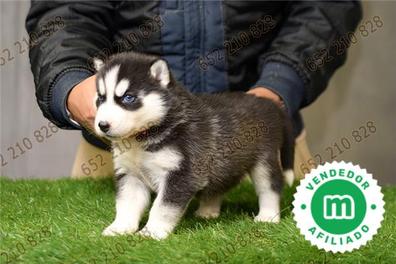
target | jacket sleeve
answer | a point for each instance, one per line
(68, 34)
(308, 27)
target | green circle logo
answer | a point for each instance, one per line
(338, 207)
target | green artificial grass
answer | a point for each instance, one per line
(61, 222)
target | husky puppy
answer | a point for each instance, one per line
(180, 145)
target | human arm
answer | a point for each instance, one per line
(307, 28)
(59, 61)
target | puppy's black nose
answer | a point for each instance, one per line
(104, 126)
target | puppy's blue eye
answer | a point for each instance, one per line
(128, 99)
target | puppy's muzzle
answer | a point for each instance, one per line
(104, 126)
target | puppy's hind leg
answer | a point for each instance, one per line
(266, 177)
(209, 206)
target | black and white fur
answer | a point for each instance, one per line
(172, 132)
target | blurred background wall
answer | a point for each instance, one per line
(363, 90)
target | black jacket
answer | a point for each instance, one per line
(211, 46)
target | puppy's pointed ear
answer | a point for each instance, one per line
(98, 64)
(159, 71)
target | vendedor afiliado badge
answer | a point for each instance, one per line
(338, 207)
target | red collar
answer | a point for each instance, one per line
(142, 135)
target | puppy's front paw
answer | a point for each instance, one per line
(268, 217)
(119, 228)
(154, 233)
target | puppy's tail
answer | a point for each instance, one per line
(287, 154)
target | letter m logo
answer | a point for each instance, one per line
(338, 207)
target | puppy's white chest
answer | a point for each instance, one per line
(151, 167)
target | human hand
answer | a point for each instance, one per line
(267, 93)
(80, 102)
